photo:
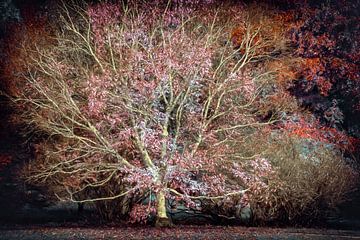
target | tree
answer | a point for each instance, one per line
(151, 108)
(145, 105)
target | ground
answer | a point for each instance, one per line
(179, 232)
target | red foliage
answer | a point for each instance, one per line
(313, 70)
(102, 16)
(236, 36)
(315, 131)
(326, 39)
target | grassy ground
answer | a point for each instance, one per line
(180, 232)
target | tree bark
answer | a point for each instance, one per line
(162, 220)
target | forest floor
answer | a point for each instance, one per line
(179, 232)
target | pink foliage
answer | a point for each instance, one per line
(97, 89)
(133, 102)
(102, 16)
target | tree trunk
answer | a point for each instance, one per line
(162, 220)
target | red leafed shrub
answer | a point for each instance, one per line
(317, 132)
(313, 69)
(327, 40)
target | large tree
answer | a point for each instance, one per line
(148, 105)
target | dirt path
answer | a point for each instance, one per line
(182, 232)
